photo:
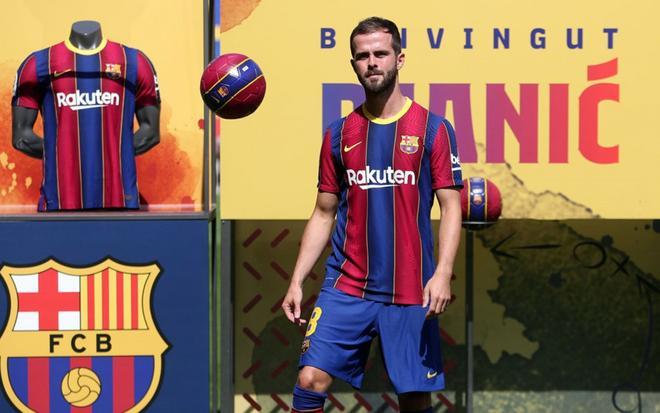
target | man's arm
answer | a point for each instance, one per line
(437, 292)
(315, 238)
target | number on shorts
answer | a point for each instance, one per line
(311, 327)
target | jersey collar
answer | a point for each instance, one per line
(85, 52)
(385, 121)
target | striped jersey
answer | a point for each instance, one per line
(87, 100)
(385, 172)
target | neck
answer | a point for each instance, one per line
(386, 103)
(86, 34)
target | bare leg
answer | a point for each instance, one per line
(311, 378)
(414, 402)
(310, 392)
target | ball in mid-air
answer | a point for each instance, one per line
(481, 201)
(232, 86)
(81, 387)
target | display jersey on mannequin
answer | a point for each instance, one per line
(88, 90)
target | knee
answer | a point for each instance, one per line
(311, 378)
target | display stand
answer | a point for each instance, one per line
(470, 228)
(154, 266)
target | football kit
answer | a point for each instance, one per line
(385, 173)
(87, 100)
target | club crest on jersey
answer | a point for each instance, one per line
(80, 337)
(113, 70)
(305, 346)
(409, 144)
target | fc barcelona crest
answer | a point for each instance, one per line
(409, 144)
(113, 70)
(223, 91)
(80, 338)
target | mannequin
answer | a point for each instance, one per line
(85, 35)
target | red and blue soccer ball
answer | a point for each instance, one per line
(232, 86)
(481, 201)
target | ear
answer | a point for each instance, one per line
(353, 65)
(400, 60)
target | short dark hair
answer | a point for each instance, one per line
(376, 24)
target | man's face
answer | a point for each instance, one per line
(375, 61)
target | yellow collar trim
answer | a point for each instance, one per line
(385, 121)
(86, 52)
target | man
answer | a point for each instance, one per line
(379, 169)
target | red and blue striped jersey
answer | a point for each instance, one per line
(386, 172)
(87, 100)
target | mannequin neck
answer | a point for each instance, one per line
(86, 34)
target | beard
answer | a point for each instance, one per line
(378, 86)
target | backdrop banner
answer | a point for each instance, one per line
(555, 102)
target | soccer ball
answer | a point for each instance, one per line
(81, 387)
(481, 201)
(232, 86)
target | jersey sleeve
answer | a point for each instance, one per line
(27, 91)
(329, 175)
(147, 93)
(445, 164)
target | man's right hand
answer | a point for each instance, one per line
(314, 240)
(291, 304)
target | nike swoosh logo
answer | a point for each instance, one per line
(58, 74)
(431, 374)
(348, 148)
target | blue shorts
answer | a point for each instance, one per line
(340, 331)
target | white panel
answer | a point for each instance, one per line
(68, 320)
(68, 283)
(27, 321)
(26, 283)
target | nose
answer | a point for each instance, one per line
(372, 61)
